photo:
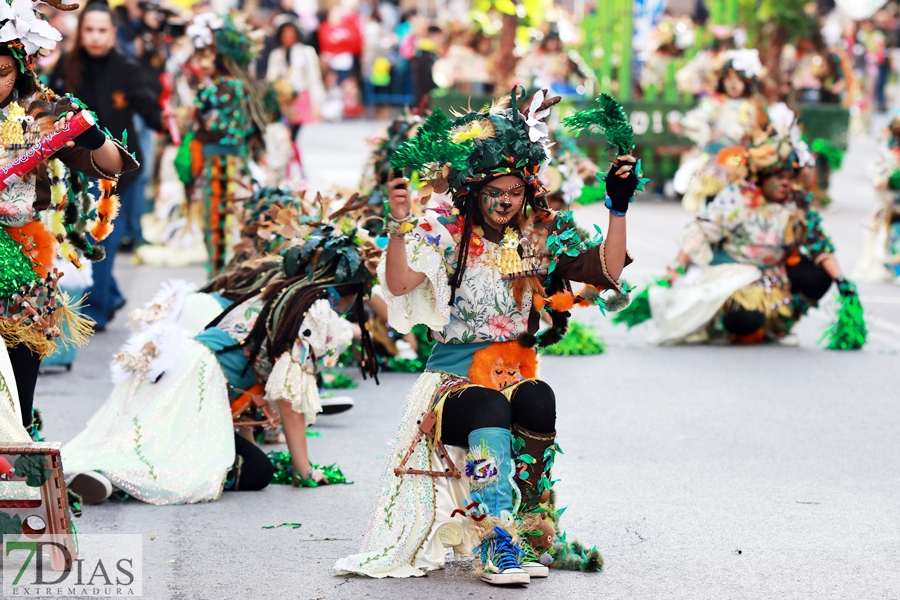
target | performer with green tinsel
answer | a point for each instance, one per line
(754, 261)
(258, 334)
(470, 466)
(49, 211)
(213, 156)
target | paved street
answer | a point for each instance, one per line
(699, 472)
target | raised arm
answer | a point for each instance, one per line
(620, 185)
(602, 266)
(399, 278)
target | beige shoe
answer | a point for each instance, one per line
(512, 576)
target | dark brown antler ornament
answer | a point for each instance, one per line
(58, 4)
(548, 101)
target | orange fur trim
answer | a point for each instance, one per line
(562, 301)
(108, 203)
(37, 243)
(539, 302)
(100, 230)
(524, 284)
(503, 364)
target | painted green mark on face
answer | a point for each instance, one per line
(491, 199)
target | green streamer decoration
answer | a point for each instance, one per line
(291, 525)
(580, 340)
(284, 472)
(639, 310)
(333, 379)
(608, 118)
(848, 330)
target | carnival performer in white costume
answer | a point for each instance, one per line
(477, 269)
(165, 435)
(880, 262)
(726, 118)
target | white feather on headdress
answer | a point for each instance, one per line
(746, 61)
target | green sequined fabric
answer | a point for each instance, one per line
(15, 268)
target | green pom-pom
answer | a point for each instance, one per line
(848, 331)
(580, 340)
(608, 118)
(15, 268)
(184, 161)
(591, 194)
(332, 379)
(833, 155)
(894, 180)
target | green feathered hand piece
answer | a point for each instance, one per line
(608, 118)
(848, 331)
(431, 148)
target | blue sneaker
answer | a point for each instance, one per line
(503, 561)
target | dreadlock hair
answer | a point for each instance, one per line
(244, 281)
(469, 208)
(286, 304)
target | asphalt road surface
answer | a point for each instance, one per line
(700, 472)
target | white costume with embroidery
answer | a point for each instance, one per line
(165, 434)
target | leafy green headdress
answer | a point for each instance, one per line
(480, 145)
(230, 37)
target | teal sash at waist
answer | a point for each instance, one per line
(454, 358)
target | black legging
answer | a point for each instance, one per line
(25, 364)
(256, 468)
(807, 279)
(533, 407)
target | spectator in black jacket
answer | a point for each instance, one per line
(112, 85)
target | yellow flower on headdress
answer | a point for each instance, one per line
(479, 129)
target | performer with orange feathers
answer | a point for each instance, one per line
(44, 212)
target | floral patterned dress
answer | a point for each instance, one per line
(165, 434)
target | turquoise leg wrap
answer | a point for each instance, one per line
(498, 494)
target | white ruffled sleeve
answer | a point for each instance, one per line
(290, 382)
(427, 304)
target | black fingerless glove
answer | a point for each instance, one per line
(91, 139)
(620, 190)
(845, 286)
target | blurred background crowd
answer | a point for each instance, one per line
(836, 62)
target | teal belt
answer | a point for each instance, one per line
(454, 358)
(232, 358)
